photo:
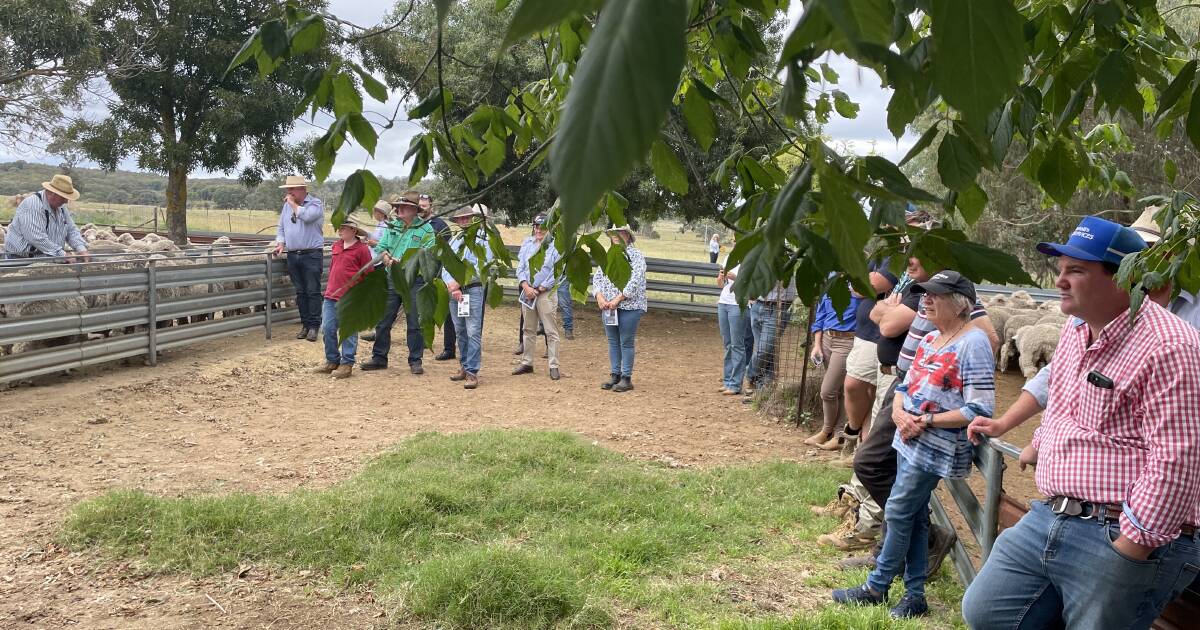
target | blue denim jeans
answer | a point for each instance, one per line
(906, 544)
(620, 341)
(565, 306)
(733, 321)
(329, 324)
(383, 331)
(768, 322)
(469, 331)
(1051, 570)
(305, 272)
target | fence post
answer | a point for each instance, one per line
(155, 212)
(152, 307)
(804, 367)
(993, 475)
(270, 302)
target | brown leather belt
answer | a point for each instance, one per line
(1100, 511)
(839, 334)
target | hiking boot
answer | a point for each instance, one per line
(459, 376)
(941, 541)
(857, 562)
(471, 382)
(303, 333)
(833, 444)
(522, 369)
(859, 595)
(343, 371)
(848, 448)
(910, 606)
(445, 355)
(849, 541)
(554, 375)
(368, 366)
(837, 508)
(416, 368)
(327, 368)
(312, 334)
(820, 437)
(616, 378)
(623, 385)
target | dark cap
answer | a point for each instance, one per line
(945, 282)
(539, 219)
(1097, 240)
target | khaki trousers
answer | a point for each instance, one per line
(547, 313)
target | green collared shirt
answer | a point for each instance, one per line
(397, 240)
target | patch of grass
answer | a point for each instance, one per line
(495, 529)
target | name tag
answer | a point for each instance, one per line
(609, 316)
(464, 306)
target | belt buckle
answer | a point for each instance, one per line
(1066, 505)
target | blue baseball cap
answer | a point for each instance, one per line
(1097, 240)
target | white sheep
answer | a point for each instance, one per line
(222, 241)
(126, 239)
(1051, 306)
(1015, 323)
(999, 316)
(1036, 345)
(1021, 299)
(995, 301)
(1052, 319)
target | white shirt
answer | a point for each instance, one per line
(1185, 307)
(727, 296)
(714, 246)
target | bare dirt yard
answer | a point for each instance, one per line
(245, 414)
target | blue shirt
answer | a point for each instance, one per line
(826, 318)
(543, 278)
(305, 233)
(960, 376)
(458, 244)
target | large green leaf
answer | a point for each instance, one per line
(362, 306)
(346, 98)
(536, 15)
(616, 268)
(274, 38)
(862, 20)
(957, 163)
(699, 116)
(978, 53)
(848, 226)
(1059, 172)
(352, 194)
(1193, 119)
(1116, 85)
(921, 144)
(308, 35)
(363, 132)
(971, 202)
(668, 170)
(1178, 87)
(636, 43)
(951, 249)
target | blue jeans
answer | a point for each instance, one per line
(565, 306)
(305, 272)
(329, 323)
(469, 331)
(620, 341)
(1051, 570)
(383, 331)
(733, 321)
(906, 544)
(768, 321)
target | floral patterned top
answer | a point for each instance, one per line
(635, 289)
(961, 376)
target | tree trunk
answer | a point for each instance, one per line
(177, 205)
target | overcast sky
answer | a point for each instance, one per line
(868, 132)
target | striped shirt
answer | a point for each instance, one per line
(39, 230)
(1137, 443)
(635, 289)
(960, 377)
(920, 328)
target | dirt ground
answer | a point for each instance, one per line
(247, 414)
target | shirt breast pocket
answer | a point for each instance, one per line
(1108, 412)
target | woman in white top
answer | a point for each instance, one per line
(714, 248)
(735, 323)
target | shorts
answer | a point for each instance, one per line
(863, 361)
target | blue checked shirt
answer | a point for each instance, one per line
(36, 225)
(305, 233)
(543, 278)
(458, 245)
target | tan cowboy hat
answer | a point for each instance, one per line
(408, 198)
(382, 206)
(1147, 227)
(62, 186)
(464, 211)
(353, 223)
(294, 181)
(623, 228)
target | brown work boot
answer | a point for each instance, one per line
(327, 368)
(848, 541)
(848, 448)
(833, 444)
(471, 381)
(820, 437)
(459, 376)
(343, 371)
(836, 508)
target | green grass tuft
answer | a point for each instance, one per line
(513, 529)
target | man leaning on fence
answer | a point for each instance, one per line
(299, 234)
(1119, 459)
(42, 224)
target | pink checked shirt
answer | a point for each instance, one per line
(1137, 443)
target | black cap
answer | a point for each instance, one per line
(944, 282)
(539, 219)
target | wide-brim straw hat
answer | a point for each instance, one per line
(358, 229)
(382, 206)
(409, 198)
(294, 181)
(62, 186)
(464, 211)
(1147, 227)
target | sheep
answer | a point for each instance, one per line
(1053, 319)
(999, 316)
(126, 239)
(996, 301)
(222, 241)
(1021, 299)
(1051, 306)
(1036, 345)
(35, 308)
(1014, 324)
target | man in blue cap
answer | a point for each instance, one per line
(1118, 460)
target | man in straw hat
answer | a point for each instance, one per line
(396, 241)
(299, 234)
(1184, 305)
(466, 300)
(349, 255)
(539, 298)
(43, 224)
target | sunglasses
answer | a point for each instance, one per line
(293, 218)
(426, 197)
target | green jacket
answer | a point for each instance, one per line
(396, 241)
